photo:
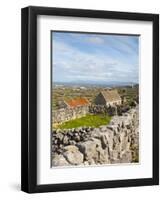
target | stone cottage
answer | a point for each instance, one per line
(108, 98)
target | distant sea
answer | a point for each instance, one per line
(91, 84)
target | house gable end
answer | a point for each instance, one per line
(100, 100)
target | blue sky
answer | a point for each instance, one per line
(97, 58)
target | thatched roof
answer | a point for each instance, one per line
(77, 102)
(111, 95)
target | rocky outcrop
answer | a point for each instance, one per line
(118, 142)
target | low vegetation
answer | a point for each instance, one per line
(131, 94)
(89, 120)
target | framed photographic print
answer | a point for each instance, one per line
(90, 99)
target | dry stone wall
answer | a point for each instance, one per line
(102, 109)
(117, 142)
(66, 114)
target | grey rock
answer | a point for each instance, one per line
(103, 128)
(126, 157)
(59, 160)
(72, 142)
(88, 148)
(77, 138)
(65, 139)
(73, 155)
(114, 155)
(59, 136)
(107, 140)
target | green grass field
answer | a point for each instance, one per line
(88, 120)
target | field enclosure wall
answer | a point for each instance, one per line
(66, 114)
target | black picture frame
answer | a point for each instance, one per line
(29, 99)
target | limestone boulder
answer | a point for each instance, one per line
(88, 148)
(107, 140)
(126, 157)
(59, 160)
(65, 140)
(59, 136)
(114, 155)
(73, 155)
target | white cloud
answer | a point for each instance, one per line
(95, 40)
(72, 64)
